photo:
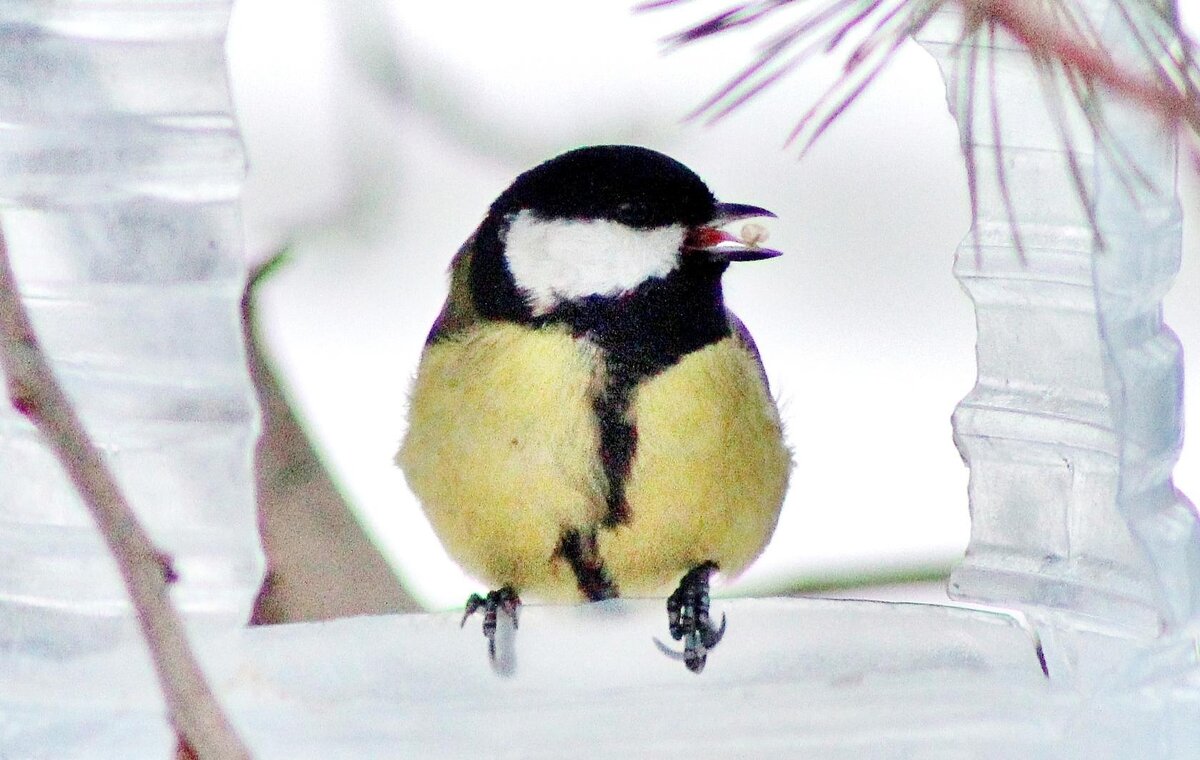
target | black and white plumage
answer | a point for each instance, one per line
(588, 418)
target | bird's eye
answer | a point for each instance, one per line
(626, 210)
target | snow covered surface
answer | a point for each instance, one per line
(790, 674)
(793, 677)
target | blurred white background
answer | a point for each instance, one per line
(379, 131)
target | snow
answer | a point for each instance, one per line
(790, 674)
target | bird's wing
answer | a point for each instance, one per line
(458, 313)
(743, 336)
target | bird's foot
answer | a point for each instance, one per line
(501, 600)
(687, 617)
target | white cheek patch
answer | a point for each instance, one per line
(555, 261)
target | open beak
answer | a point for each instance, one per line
(721, 246)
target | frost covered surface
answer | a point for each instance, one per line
(588, 679)
(837, 678)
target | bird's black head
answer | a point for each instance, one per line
(637, 187)
(596, 227)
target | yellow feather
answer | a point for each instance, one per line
(503, 453)
(710, 472)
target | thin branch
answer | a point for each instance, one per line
(1043, 39)
(1010, 209)
(1060, 39)
(848, 99)
(1059, 117)
(1083, 89)
(968, 149)
(851, 23)
(200, 725)
(807, 29)
(1171, 92)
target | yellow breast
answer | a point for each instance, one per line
(503, 453)
(709, 475)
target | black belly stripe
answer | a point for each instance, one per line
(618, 441)
(580, 552)
(640, 334)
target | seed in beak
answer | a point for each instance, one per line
(754, 234)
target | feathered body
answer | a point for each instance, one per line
(588, 419)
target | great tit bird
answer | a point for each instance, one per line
(588, 419)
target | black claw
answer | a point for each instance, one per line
(504, 599)
(711, 636)
(474, 602)
(688, 620)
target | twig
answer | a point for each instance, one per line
(1171, 92)
(1062, 42)
(1043, 39)
(971, 54)
(1006, 198)
(200, 725)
